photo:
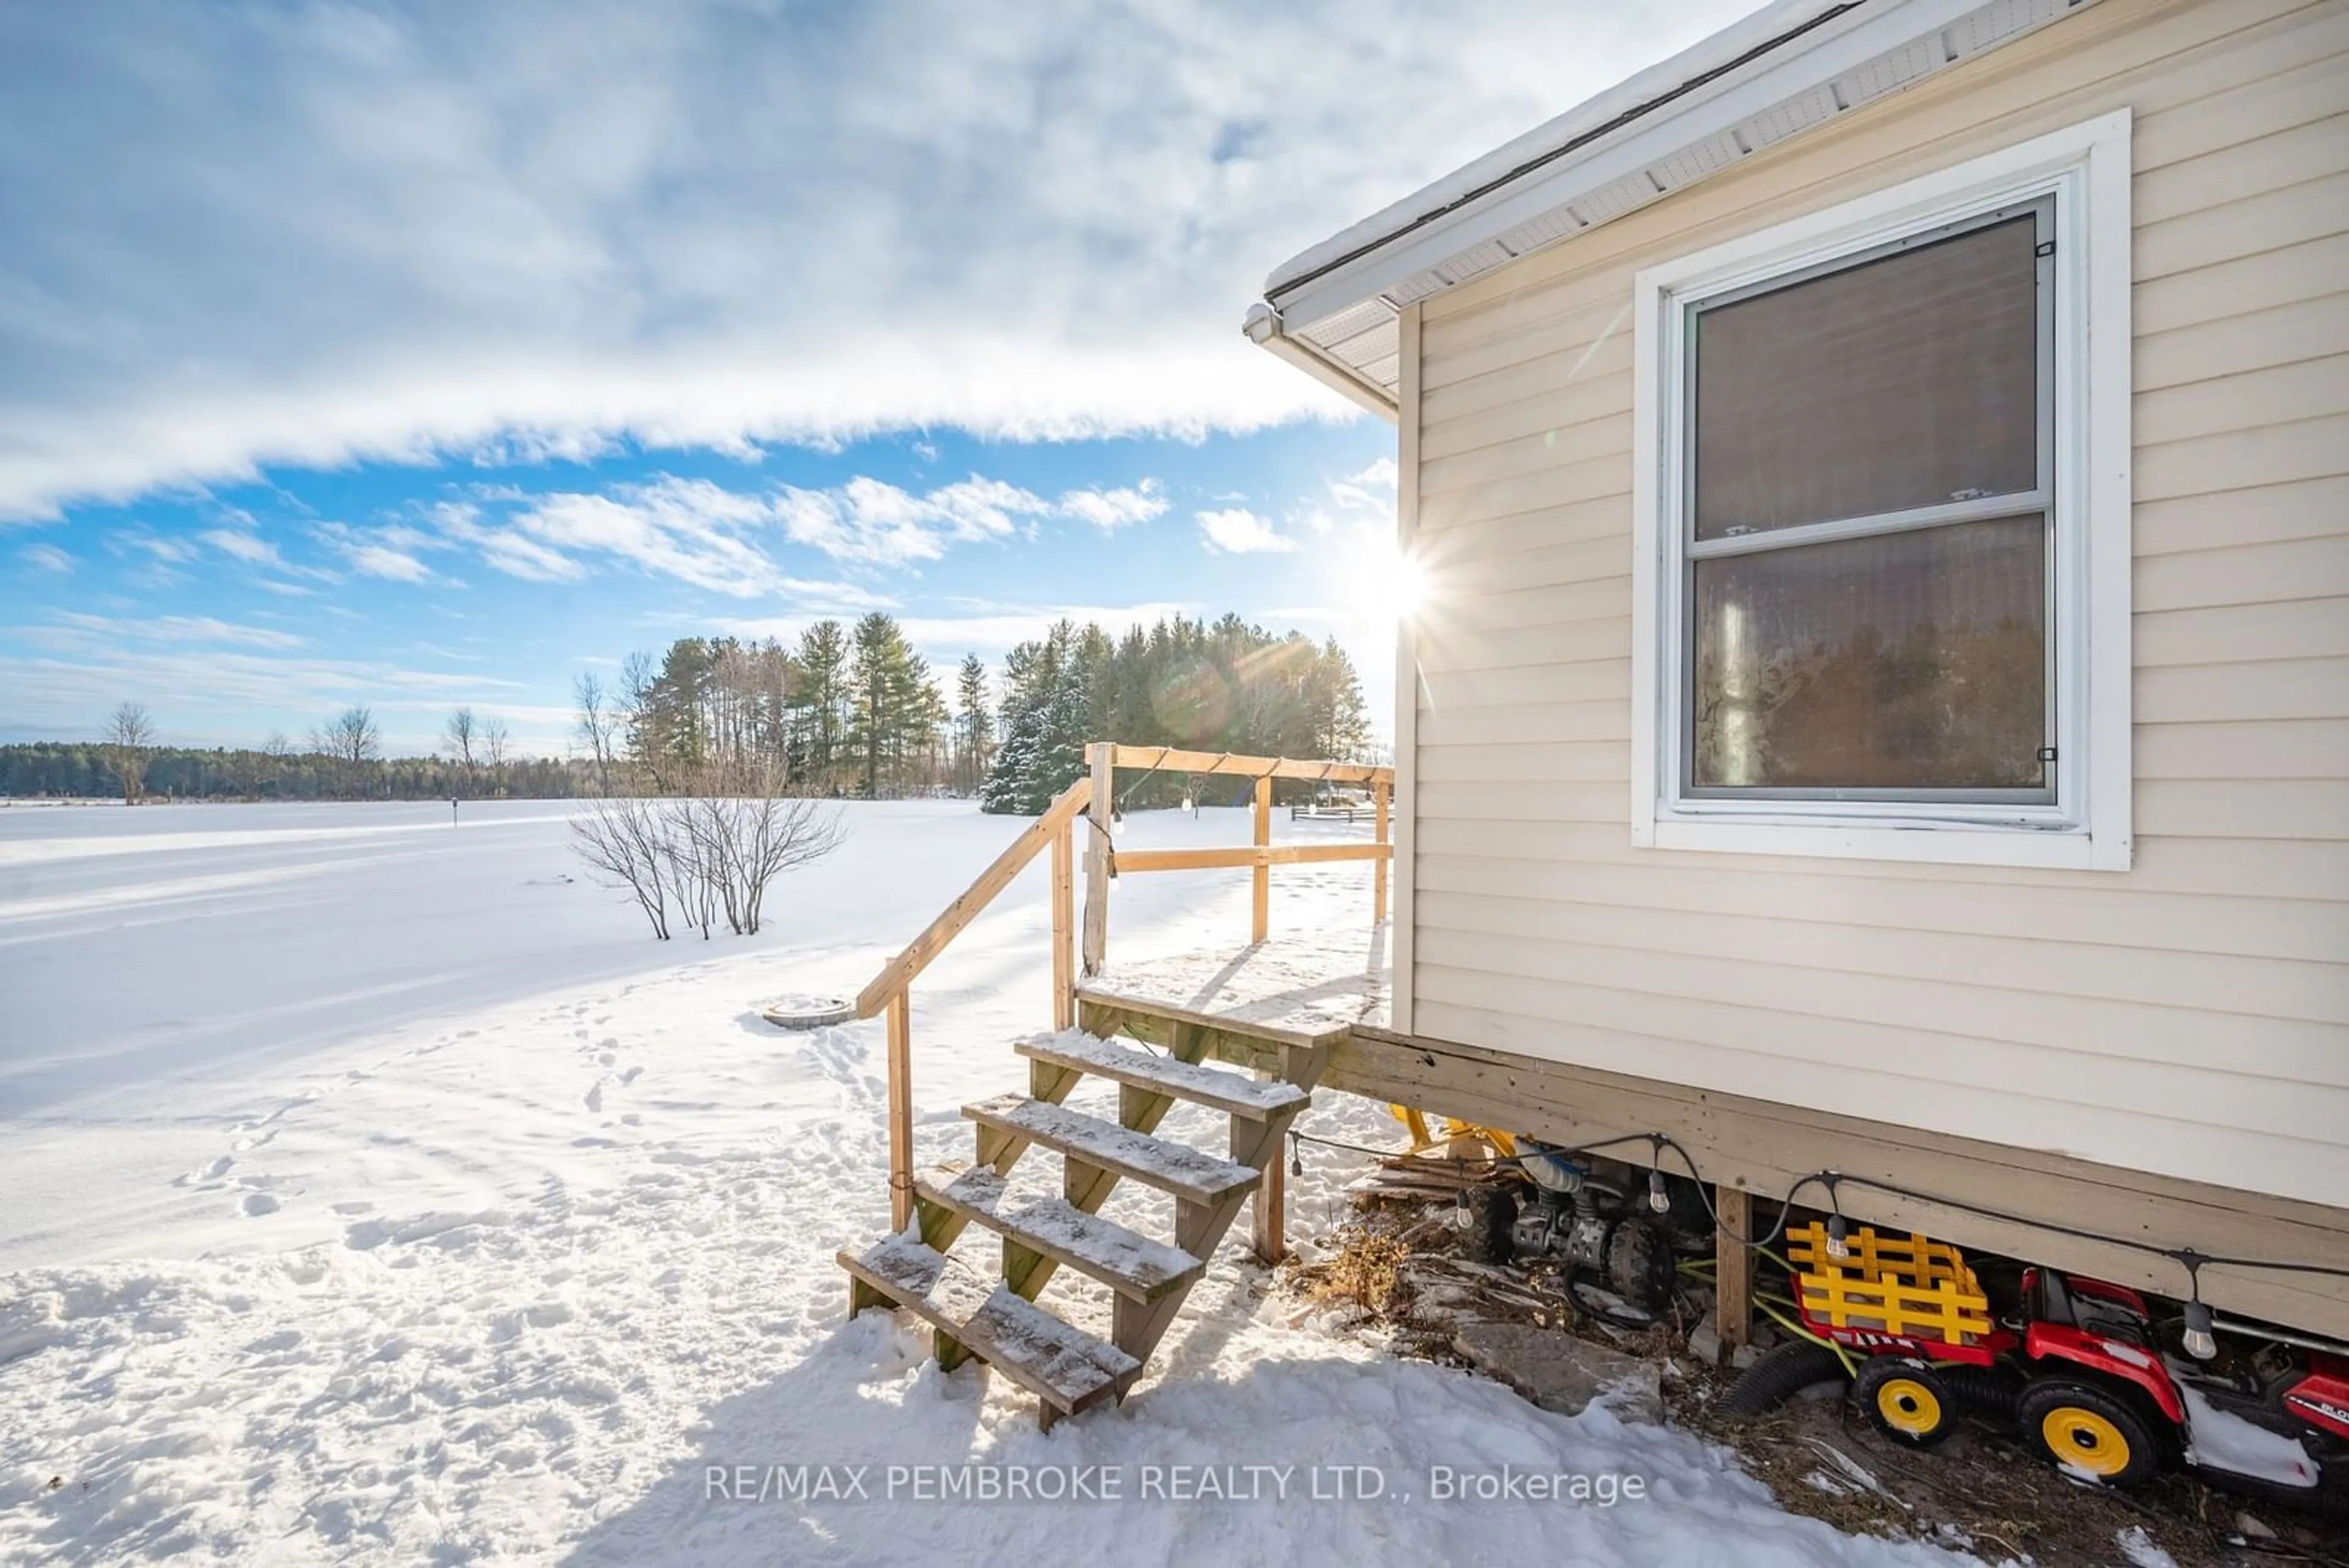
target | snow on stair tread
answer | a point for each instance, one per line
(1130, 1263)
(1052, 1359)
(1254, 1098)
(1169, 1167)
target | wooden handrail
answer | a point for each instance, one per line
(891, 989)
(899, 973)
(1269, 855)
(1228, 764)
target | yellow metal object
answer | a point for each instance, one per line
(1910, 1285)
(2081, 1437)
(1414, 1121)
(1908, 1405)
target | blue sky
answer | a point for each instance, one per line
(423, 354)
(414, 588)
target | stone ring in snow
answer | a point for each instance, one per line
(808, 1012)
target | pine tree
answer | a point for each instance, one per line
(895, 707)
(819, 708)
(973, 728)
(1025, 688)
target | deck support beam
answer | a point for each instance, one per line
(901, 1111)
(1732, 1305)
(1064, 936)
(1263, 887)
(1097, 843)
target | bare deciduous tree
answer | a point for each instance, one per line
(599, 725)
(711, 855)
(627, 842)
(496, 742)
(775, 833)
(460, 733)
(129, 732)
(351, 736)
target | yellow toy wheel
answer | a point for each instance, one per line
(2088, 1431)
(1906, 1401)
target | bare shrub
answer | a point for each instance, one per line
(626, 841)
(711, 856)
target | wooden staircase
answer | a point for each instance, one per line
(998, 1320)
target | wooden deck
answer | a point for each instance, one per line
(1312, 989)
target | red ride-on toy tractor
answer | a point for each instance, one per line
(2078, 1370)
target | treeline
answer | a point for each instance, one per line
(86, 769)
(847, 710)
(1225, 686)
(854, 711)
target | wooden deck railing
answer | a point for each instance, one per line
(1094, 796)
(890, 987)
(1260, 857)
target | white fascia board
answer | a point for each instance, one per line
(1802, 65)
(1263, 328)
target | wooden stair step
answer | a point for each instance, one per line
(1066, 1367)
(1172, 1168)
(1127, 1262)
(1254, 1098)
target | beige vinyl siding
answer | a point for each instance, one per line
(2190, 1016)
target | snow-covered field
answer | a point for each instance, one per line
(378, 1190)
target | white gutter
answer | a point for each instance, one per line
(1790, 68)
(1266, 330)
(1637, 97)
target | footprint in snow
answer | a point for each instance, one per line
(595, 1099)
(256, 1204)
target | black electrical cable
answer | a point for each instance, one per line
(2192, 1260)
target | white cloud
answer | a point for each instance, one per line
(689, 529)
(1239, 531)
(1372, 491)
(383, 561)
(187, 628)
(1109, 509)
(244, 547)
(46, 558)
(878, 523)
(945, 638)
(312, 235)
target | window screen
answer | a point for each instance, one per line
(1866, 543)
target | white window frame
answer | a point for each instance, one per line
(2086, 169)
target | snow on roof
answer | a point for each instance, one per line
(1789, 68)
(1627, 101)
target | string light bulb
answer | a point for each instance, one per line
(1296, 1155)
(2200, 1342)
(1836, 1229)
(1659, 1198)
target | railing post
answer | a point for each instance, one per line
(1097, 856)
(901, 1110)
(1064, 936)
(1263, 925)
(1379, 876)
